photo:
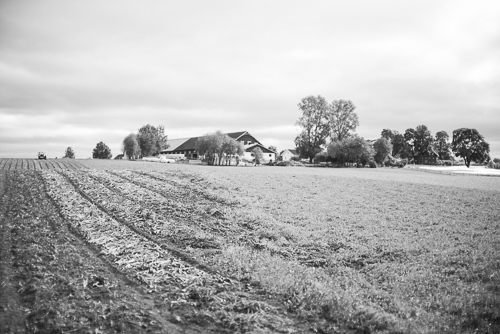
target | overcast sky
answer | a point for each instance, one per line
(73, 73)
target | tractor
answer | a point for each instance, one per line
(41, 155)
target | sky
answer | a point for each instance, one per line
(74, 73)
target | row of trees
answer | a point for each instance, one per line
(335, 123)
(148, 141)
(466, 143)
(218, 147)
(321, 121)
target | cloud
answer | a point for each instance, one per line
(101, 70)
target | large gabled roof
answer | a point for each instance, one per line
(262, 147)
(293, 151)
(236, 135)
(175, 143)
(186, 144)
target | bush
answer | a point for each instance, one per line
(493, 165)
(289, 163)
(496, 160)
(398, 162)
(372, 164)
(321, 157)
(387, 163)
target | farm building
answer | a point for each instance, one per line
(288, 154)
(186, 146)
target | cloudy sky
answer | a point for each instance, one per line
(73, 73)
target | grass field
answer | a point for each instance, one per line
(116, 246)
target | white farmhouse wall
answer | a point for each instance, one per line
(265, 156)
(287, 155)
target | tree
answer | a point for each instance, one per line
(101, 151)
(383, 148)
(69, 153)
(233, 148)
(314, 126)
(130, 147)
(441, 145)
(217, 146)
(388, 134)
(209, 146)
(342, 119)
(470, 145)
(351, 149)
(152, 140)
(423, 141)
(273, 148)
(409, 146)
(229, 148)
(259, 155)
(398, 145)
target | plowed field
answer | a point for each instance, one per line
(124, 247)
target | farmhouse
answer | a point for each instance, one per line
(186, 146)
(288, 154)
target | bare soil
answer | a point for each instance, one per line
(93, 246)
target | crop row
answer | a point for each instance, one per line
(32, 164)
(91, 206)
(61, 284)
(249, 243)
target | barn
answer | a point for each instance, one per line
(186, 146)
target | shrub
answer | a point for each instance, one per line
(496, 160)
(493, 165)
(289, 163)
(387, 163)
(372, 164)
(321, 157)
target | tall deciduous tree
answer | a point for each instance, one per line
(470, 145)
(69, 153)
(423, 141)
(130, 147)
(387, 134)
(101, 151)
(152, 139)
(409, 146)
(383, 148)
(314, 126)
(397, 141)
(342, 119)
(441, 145)
(398, 145)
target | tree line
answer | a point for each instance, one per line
(327, 131)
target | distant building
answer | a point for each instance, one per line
(288, 154)
(186, 146)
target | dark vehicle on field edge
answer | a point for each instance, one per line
(41, 155)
